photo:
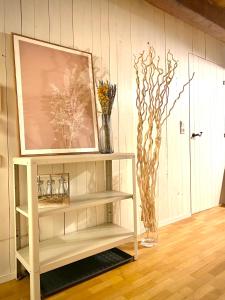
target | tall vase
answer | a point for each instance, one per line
(105, 135)
(150, 238)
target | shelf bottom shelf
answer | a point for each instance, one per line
(77, 272)
(63, 250)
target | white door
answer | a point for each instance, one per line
(207, 128)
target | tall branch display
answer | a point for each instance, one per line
(152, 102)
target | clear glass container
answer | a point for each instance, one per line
(66, 187)
(40, 184)
(151, 234)
(61, 190)
(105, 135)
(50, 190)
(150, 238)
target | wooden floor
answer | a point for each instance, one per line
(188, 263)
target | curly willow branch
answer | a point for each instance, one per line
(152, 99)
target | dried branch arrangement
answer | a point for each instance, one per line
(152, 102)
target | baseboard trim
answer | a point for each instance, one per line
(7, 277)
(166, 222)
(173, 220)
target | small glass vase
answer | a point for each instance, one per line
(105, 135)
(150, 238)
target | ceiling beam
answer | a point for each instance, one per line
(194, 18)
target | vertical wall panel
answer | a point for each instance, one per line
(12, 24)
(97, 45)
(55, 21)
(41, 17)
(82, 11)
(27, 17)
(96, 40)
(4, 212)
(103, 7)
(27, 29)
(178, 144)
(158, 40)
(66, 23)
(113, 76)
(124, 97)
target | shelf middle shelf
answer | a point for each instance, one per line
(78, 202)
(71, 247)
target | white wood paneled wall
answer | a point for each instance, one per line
(113, 31)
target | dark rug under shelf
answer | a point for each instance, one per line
(79, 271)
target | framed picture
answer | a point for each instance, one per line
(56, 100)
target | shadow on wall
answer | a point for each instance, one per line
(222, 193)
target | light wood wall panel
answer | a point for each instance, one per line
(178, 144)
(125, 116)
(4, 212)
(113, 31)
(12, 24)
(27, 17)
(5, 205)
(113, 75)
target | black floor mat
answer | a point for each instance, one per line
(66, 276)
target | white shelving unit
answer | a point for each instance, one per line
(39, 257)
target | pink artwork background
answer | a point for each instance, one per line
(57, 98)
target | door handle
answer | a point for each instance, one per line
(196, 134)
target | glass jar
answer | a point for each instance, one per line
(50, 190)
(40, 184)
(61, 186)
(105, 135)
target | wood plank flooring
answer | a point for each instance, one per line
(188, 263)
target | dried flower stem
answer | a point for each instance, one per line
(106, 96)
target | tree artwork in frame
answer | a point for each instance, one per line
(56, 100)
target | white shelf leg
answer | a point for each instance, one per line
(35, 286)
(33, 231)
(18, 270)
(135, 209)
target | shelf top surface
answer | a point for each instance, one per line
(70, 158)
